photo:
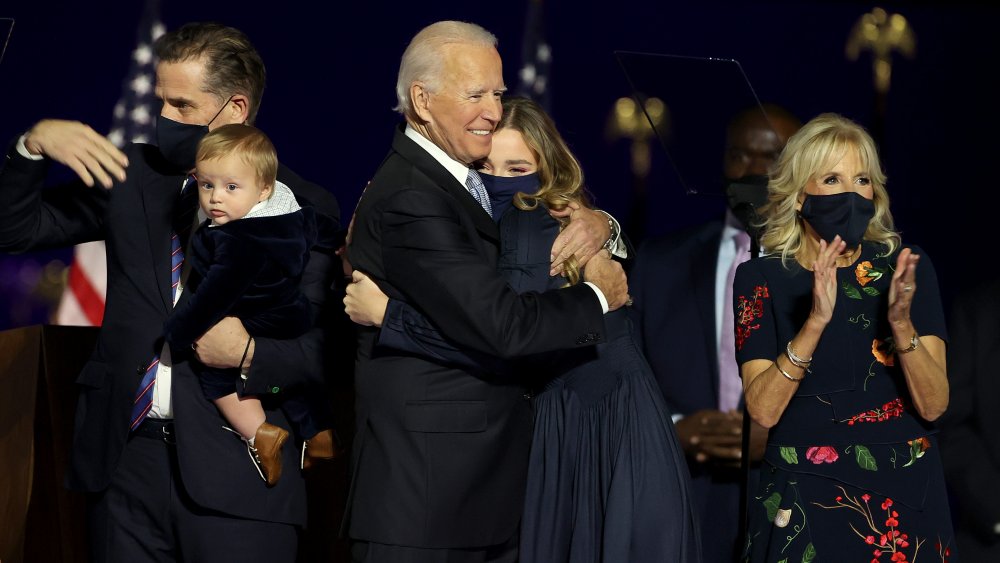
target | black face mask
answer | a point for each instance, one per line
(745, 196)
(502, 189)
(846, 214)
(178, 141)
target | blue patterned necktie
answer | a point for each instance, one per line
(183, 218)
(475, 186)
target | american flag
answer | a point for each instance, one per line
(134, 121)
(536, 57)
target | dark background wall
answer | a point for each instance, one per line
(332, 68)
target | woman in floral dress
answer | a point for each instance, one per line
(841, 341)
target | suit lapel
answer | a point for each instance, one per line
(703, 272)
(440, 176)
(159, 198)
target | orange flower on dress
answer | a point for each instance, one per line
(884, 351)
(865, 273)
(922, 442)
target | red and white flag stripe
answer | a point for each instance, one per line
(82, 301)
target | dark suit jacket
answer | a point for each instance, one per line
(673, 286)
(969, 448)
(134, 218)
(441, 453)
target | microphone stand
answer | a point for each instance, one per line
(747, 213)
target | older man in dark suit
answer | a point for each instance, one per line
(166, 480)
(441, 453)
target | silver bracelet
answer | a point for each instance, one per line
(787, 375)
(795, 359)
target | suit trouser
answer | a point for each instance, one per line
(146, 516)
(370, 552)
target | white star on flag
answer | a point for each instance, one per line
(143, 54)
(536, 57)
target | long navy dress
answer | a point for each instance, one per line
(607, 480)
(850, 472)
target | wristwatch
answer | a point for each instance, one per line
(914, 343)
(612, 241)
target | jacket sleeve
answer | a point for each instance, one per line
(234, 268)
(37, 218)
(280, 364)
(429, 256)
(406, 329)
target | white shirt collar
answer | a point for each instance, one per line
(459, 170)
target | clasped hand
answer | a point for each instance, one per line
(364, 302)
(583, 237)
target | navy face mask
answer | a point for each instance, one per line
(846, 214)
(503, 188)
(178, 141)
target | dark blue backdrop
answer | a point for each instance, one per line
(332, 70)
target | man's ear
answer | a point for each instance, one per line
(420, 99)
(238, 109)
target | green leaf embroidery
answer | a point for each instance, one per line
(870, 290)
(850, 290)
(788, 454)
(771, 506)
(916, 451)
(865, 458)
(809, 554)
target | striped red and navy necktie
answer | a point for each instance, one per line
(178, 240)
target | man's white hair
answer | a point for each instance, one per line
(423, 59)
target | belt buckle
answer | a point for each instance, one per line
(168, 434)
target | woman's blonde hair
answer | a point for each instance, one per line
(560, 177)
(820, 143)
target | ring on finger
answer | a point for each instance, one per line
(907, 288)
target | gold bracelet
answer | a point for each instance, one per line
(787, 375)
(914, 344)
(795, 359)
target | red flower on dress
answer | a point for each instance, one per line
(748, 311)
(822, 454)
(890, 410)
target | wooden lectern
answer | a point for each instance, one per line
(41, 520)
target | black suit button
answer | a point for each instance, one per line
(527, 395)
(141, 370)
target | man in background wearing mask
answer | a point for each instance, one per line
(165, 480)
(682, 287)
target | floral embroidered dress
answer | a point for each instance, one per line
(851, 472)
